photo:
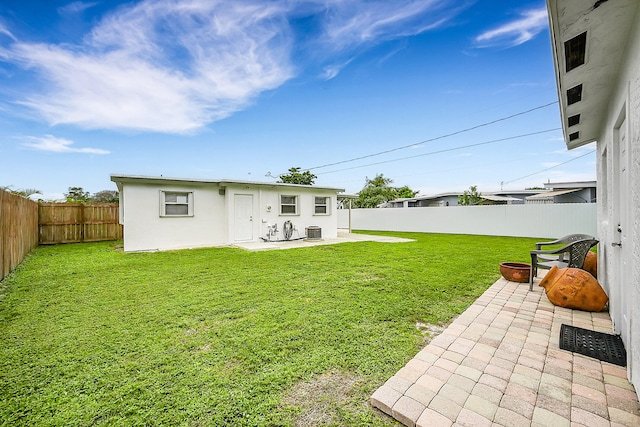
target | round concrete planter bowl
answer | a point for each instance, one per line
(515, 271)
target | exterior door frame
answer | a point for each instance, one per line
(621, 224)
(243, 213)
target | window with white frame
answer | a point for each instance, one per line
(176, 203)
(288, 204)
(321, 205)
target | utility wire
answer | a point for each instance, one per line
(552, 167)
(442, 151)
(435, 138)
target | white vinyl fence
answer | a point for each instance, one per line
(535, 220)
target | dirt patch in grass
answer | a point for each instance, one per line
(429, 331)
(318, 402)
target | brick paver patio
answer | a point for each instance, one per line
(500, 364)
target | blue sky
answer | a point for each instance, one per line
(247, 89)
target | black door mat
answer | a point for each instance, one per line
(601, 346)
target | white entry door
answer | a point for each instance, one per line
(243, 221)
(621, 250)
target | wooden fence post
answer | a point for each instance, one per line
(18, 230)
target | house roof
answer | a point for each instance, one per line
(497, 196)
(574, 184)
(435, 196)
(586, 73)
(553, 193)
(518, 192)
(494, 198)
(221, 182)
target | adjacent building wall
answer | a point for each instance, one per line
(266, 210)
(214, 218)
(146, 230)
(586, 195)
(626, 100)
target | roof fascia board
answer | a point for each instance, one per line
(557, 55)
(222, 183)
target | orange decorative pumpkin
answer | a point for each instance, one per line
(591, 264)
(574, 288)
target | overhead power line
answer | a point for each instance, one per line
(435, 138)
(442, 151)
(552, 167)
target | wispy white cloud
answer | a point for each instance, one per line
(160, 66)
(175, 66)
(357, 22)
(75, 7)
(6, 32)
(57, 145)
(331, 71)
(514, 33)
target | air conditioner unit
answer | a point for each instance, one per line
(313, 232)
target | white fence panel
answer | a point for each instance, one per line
(535, 220)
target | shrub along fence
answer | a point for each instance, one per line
(18, 230)
(76, 222)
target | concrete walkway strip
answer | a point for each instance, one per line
(343, 237)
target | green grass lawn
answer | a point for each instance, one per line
(93, 336)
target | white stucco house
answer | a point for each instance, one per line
(596, 48)
(173, 213)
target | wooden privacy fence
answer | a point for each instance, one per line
(18, 230)
(76, 222)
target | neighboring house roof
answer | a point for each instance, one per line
(499, 198)
(574, 184)
(435, 196)
(517, 192)
(496, 196)
(221, 182)
(553, 193)
(589, 72)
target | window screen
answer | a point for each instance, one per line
(321, 206)
(288, 205)
(176, 203)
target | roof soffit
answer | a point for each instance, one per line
(608, 27)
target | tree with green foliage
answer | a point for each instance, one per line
(106, 196)
(378, 190)
(77, 195)
(470, 197)
(296, 176)
(405, 192)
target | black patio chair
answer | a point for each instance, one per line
(569, 238)
(571, 255)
